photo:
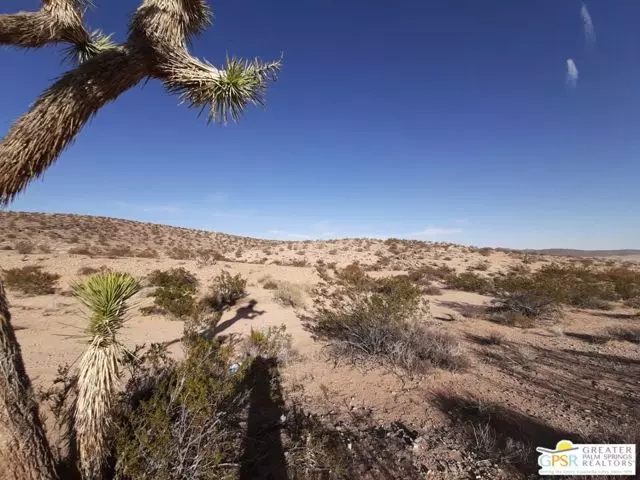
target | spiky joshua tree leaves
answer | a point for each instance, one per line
(106, 296)
(156, 48)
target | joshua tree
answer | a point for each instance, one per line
(156, 48)
(106, 296)
(24, 451)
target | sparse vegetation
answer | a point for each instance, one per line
(90, 270)
(469, 282)
(179, 253)
(83, 250)
(627, 334)
(31, 280)
(383, 321)
(272, 342)
(225, 290)
(175, 292)
(522, 309)
(24, 247)
(289, 294)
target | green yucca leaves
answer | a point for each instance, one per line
(106, 295)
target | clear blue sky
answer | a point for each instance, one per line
(438, 120)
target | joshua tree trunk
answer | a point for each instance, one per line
(156, 47)
(24, 450)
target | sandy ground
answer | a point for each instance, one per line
(551, 381)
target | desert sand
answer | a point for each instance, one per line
(547, 382)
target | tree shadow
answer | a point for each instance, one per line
(587, 337)
(605, 384)
(247, 312)
(617, 316)
(501, 433)
(467, 310)
(263, 453)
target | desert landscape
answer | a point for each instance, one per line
(524, 348)
(309, 325)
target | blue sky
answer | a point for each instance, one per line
(437, 120)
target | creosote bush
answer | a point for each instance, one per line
(175, 292)
(272, 342)
(31, 280)
(469, 282)
(225, 291)
(25, 247)
(183, 420)
(288, 294)
(381, 320)
(523, 310)
(628, 334)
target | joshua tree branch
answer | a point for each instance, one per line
(57, 21)
(37, 138)
(24, 451)
(159, 33)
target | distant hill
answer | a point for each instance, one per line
(567, 252)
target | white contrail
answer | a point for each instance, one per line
(589, 31)
(572, 73)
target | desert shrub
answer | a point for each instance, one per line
(25, 247)
(626, 282)
(628, 334)
(177, 302)
(298, 262)
(178, 278)
(175, 292)
(633, 302)
(431, 290)
(147, 253)
(31, 280)
(208, 256)
(512, 319)
(527, 304)
(494, 338)
(363, 319)
(428, 273)
(43, 248)
(469, 282)
(288, 294)
(90, 270)
(480, 266)
(225, 291)
(273, 342)
(180, 253)
(576, 286)
(183, 420)
(270, 285)
(118, 251)
(84, 250)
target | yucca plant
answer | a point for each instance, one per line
(105, 295)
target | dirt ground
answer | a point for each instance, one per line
(537, 385)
